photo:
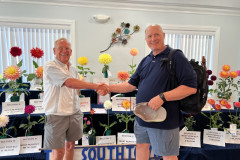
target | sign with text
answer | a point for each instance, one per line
(85, 105)
(38, 105)
(214, 137)
(106, 140)
(85, 140)
(117, 103)
(231, 138)
(126, 138)
(190, 139)
(30, 144)
(13, 108)
(9, 146)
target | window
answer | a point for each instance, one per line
(28, 34)
(195, 42)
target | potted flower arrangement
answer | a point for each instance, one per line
(15, 88)
(189, 122)
(105, 59)
(226, 84)
(126, 104)
(4, 120)
(215, 119)
(28, 110)
(107, 105)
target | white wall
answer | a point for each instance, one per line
(92, 37)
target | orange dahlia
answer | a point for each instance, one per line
(233, 74)
(223, 74)
(226, 68)
(126, 104)
(217, 107)
(211, 101)
(223, 102)
(12, 72)
(39, 72)
(123, 75)
(134, 52)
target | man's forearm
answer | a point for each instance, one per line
(122, 88)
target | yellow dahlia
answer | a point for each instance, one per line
(82, 61)
(39, 72)
(12, 72)
(105, 58)
(126, 104)
(3, 120)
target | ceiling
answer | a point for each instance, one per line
(222, 7)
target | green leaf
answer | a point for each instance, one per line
(35, 64)
(20, 63)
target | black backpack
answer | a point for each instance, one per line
(195, 102)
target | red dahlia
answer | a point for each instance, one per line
(15, 51)
(36, 52)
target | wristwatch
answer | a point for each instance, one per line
(161, 95)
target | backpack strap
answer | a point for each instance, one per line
(171, 70)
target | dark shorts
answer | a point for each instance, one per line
(163, 142)
(59, 129)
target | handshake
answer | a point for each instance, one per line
(102, 89)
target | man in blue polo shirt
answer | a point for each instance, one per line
(153, 83)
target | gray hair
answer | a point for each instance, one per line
(60, 39)
(153, 25)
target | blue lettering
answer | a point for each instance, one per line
(83, 153)
(129, 151)
(110, 152)
(90, 153)
(119, 153)
(103, 153)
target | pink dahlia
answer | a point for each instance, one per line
(36, 52)
(29, 109)
(12, 72)
(16, 51)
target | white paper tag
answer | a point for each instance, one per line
(190, 139)
(30, 144)
(38, 105)
(85, 105)
(106, 140)
(85, 140)
(126, 138)
(9, 146)
(13, 108)
(109, 73)
(234, 139)
(233, 129)
(214, 137)
(117, 103)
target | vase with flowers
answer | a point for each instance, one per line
(83, 61)
(4, 120)
(13, 76)
(28, 126)
(37, 77)
(126, 104)
(215, 119)
(107, 105)
(105, 59)
(133, 52)
(92, 131)
(15, 88)
(227, 84)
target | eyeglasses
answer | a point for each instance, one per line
(62, 48)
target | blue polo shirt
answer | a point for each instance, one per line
(152, 78)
